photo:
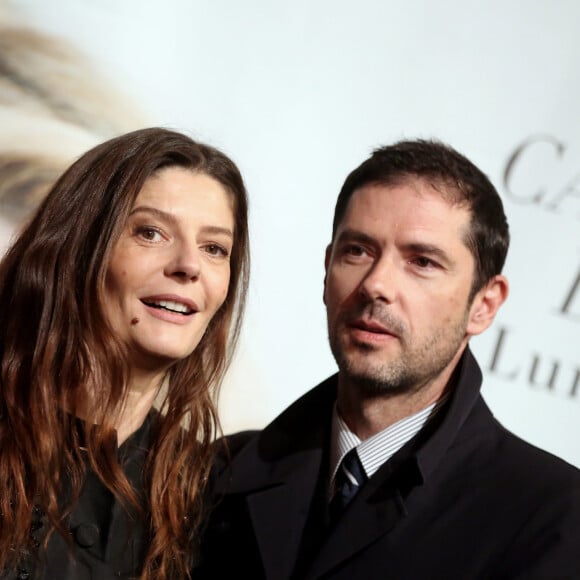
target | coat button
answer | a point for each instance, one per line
(86, 535)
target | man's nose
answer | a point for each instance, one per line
(380, 282)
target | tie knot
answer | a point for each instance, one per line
(349, 477)
(351, 470)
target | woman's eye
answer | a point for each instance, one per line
(216, 250)
(149, 233)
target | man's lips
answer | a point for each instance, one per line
(371, 326)
(171, 303)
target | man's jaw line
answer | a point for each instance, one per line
(367, 414)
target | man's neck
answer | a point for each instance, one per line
(367, 414)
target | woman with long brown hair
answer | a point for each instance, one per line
(124, 290)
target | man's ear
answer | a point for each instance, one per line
(486, 304)
(327, 256)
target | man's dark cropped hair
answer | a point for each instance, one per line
(457, 179)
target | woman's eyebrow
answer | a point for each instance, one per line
(163, 215)
(218, 230)
(172, 219)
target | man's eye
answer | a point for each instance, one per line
(423, 262)
(354, 250)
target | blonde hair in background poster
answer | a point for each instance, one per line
(54, 105)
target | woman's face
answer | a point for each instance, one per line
(170, 270)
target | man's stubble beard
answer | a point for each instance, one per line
(414, 368)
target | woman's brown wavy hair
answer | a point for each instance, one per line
(56, 344)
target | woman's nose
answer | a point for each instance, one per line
(185, 263)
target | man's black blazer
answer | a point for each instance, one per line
(465, 499)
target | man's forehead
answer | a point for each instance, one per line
(413, 187)
(448, 189)
(425, 208)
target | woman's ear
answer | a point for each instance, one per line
(486, 304)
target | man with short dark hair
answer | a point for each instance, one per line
(395, 468)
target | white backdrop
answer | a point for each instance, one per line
(299, 93)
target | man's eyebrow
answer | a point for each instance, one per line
(350, 235)
(172, 219)
(429, 250)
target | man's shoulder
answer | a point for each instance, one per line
(491, 456)
(302, 426)
(486, 457)
(542, 467)
(235, 442)
(229, 446)
(484, 447)
(306, 409)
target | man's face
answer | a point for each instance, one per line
(398, 279)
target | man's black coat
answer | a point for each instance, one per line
(465, 499)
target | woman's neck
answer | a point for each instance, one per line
(137, 406)
(143, 390)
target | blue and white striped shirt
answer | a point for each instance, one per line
(379, 448)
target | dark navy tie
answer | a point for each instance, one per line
(349, 478)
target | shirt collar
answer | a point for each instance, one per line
(378, 449)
